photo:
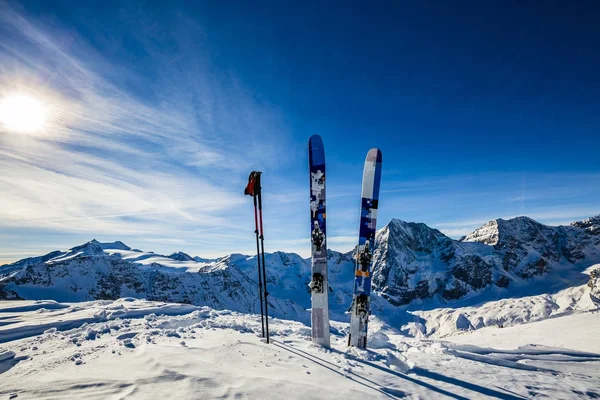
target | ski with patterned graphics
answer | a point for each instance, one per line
(318, 284)
(361, 309)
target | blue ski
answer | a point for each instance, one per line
(318, 284)
(360, 309)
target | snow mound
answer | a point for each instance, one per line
(503, 313)
(6, 355)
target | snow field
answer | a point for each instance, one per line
(139, 349)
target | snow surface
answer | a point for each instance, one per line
(538, 338)
(174, 263)
(167, 264)
(130, 348)
(441, 322)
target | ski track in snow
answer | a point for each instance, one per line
(131, 348)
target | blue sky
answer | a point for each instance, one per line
(157, 113)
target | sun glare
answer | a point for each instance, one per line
(22, 113)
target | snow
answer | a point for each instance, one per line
(536, 338)
(579, 335)
(6, 355)
(131, 348)
(487, 234)
(441, 322)
(174, 263)
(157, 261)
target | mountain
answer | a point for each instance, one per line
(414, 265)
(288, 276)
(413, 261)
(181, 256)
(530, 248)
(591, 225)
(110, 271)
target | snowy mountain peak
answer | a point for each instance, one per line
(89, 248)
(397, 224)
(592, 225)
(415, 236)
(523, 229)
(487, 234)
(96, 247)
(181, 256)
(500, 231)
(118, 245)
(410, 228)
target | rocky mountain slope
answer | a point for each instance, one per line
(413, 261)
(110, 271)
(414, 264)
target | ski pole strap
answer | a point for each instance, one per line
(253, 186)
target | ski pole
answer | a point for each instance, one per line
(262, 321)
(250, 190)
(264, 266)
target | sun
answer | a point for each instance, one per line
(22, 113)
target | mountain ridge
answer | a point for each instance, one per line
(413, 263)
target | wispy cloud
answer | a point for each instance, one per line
(154, 149)
(166, 160)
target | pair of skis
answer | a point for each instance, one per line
(319, 286)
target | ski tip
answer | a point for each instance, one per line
(316, 151)
(374, 155)
(315, 140)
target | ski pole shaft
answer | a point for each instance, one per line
(260, 289)
(262, 243)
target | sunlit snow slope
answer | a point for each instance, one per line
(132, 348)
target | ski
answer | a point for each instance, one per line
(360, 309)
(318, 284)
